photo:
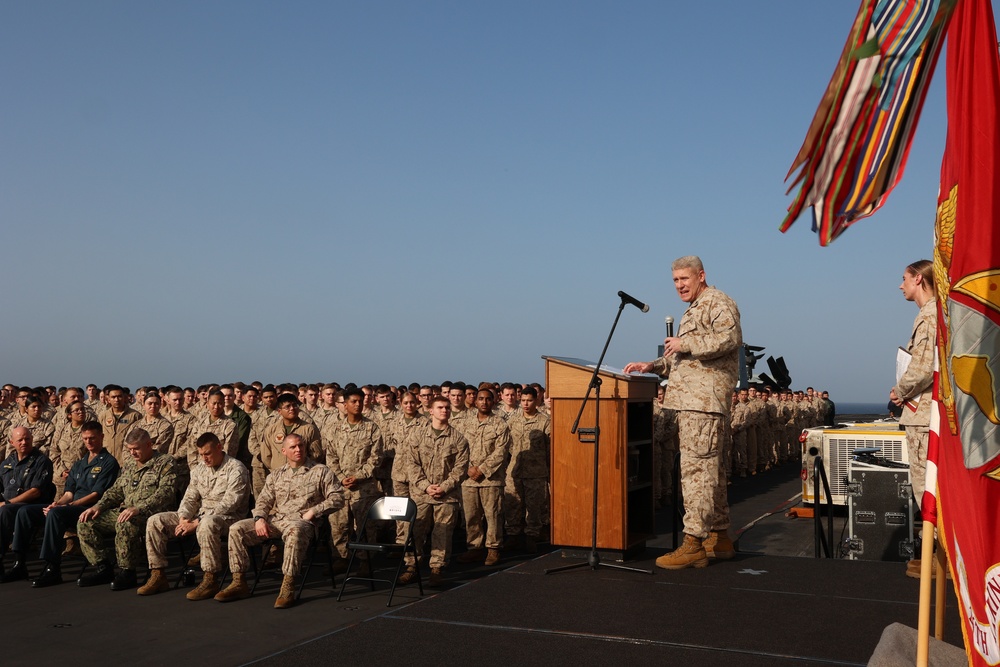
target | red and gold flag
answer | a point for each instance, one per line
(967, 279)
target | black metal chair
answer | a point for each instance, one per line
(321, 536)
(385, 509)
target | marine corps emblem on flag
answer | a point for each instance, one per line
(974, 340)
(982, 635)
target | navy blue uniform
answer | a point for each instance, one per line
(85, 477)
(34, 471)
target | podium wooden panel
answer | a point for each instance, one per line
(625, 517)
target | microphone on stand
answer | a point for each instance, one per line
(627, 298)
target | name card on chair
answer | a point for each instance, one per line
(394, 506)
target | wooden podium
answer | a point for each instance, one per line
(625, 518)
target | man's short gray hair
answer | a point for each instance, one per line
(688, 262)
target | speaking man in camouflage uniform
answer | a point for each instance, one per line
(702, 363)
(482, 490)
(217, 497)
(438, 458)
(147, 485)
(294, 498)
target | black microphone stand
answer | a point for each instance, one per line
(594, 435)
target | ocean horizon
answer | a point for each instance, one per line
(862, 408)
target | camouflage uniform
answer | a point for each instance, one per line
(323, 415)
(738, 425)
(217, 497)
(353, 450)
(288, 493)
(916, 385)
(752, 433)
(273, 435)
(224, 429)
(160, 430)
(5, 434)
(489, 447)
(702, 376)
(42, 433)
(180, 446)
(67, 448)
(399, 433)
(789, 439)
(149, 488)
(440, 458)
(526, 488)
(771, 431)
(115, 428)
(501, 411)
(259, 420)
(664, 450)
(383, 474)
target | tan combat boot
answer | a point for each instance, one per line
(238, 590)
(689, 554)
(471, 556)
(286, 596)
(157, 583)
(208, 587)
(195, 560)
(492, 557)
(718, 545)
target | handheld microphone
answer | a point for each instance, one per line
(634, 301)
(670, 326)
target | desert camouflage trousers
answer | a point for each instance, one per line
(740, 452)
(439, 520)
(128, 548)
(916, 448)
(526, 506)
(349, 517)
(211, 531)
(295, 533)
(257, 476)
(703, 476)
(663, 470)
(482, 505)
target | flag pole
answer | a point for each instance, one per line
(939, 600)
(924, 613)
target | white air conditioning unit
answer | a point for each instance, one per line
(837, 445)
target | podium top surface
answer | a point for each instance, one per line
(606, 369)
(572, 379)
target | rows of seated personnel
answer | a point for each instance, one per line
(331, 462)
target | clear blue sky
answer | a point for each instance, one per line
(420, 191)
